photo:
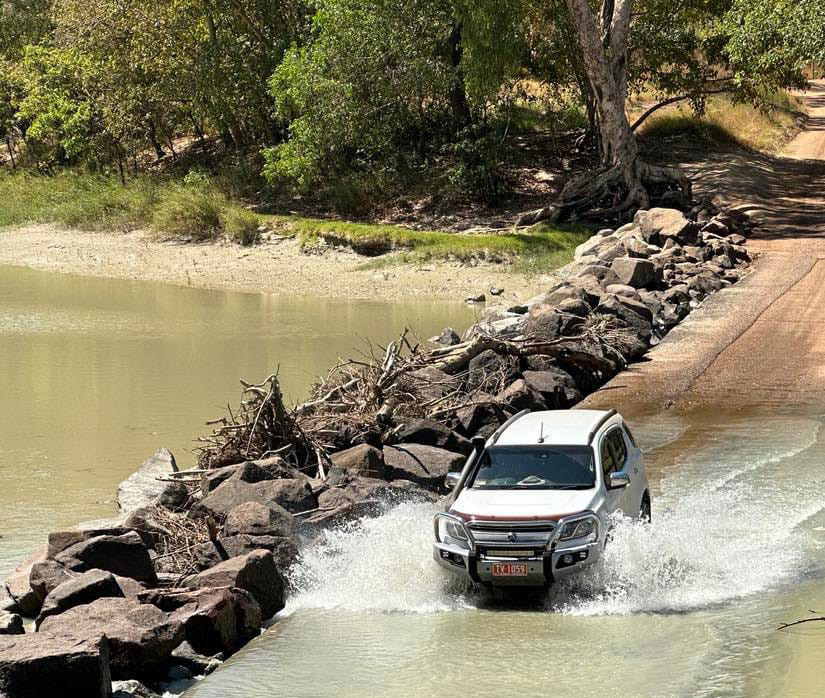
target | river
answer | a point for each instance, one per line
(688, 606)
(97, 374)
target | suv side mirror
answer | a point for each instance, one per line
(451, 480)
(479, 442)
(618, 479)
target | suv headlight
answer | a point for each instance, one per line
(448, 528)
(583, 528)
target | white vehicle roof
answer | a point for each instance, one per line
(560, 427)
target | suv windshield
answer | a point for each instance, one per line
(536, 467)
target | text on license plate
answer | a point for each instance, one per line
(509, 569)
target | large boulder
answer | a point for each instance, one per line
(424, 465)
(87, 587)
(221, 619)
(489, 365)
(143, 487)
(19, 587)
(46, 664)
(520, 395)
(430, 433)
(258, 519)
(224, 498)
(125, 555)
(284, 550)
(556, 386)
(658, 224)
(603, 275)
(547, 322)
(292, 494)
(47, 575)
(635, 272)
(141, 636)
(363, 459)
(255, 572)
(11, 624)
(618, 307)
(480, 419)
(430, 383)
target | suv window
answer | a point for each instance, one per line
(617, 445)
(535, 467)
(608, 462)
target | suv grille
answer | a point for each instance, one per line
(512, 534)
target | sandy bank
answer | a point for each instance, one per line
(274, 267)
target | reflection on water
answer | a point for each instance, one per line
(96, 374)
(687, 606)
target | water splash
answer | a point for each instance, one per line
(378, 564)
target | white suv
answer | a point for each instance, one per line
(534, 502)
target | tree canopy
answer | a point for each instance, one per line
(327, 87)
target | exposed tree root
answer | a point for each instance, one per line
(604, 194)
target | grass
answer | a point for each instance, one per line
(536, 250)
(726, 122)
(196, 211)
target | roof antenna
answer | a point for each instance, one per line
(541, 432)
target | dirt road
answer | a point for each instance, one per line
(763, 340)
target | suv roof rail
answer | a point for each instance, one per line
(498, 432)
(608, 415)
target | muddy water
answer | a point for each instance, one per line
(685, 607)
(96, 374)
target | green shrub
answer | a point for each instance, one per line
(190, 212)
(241, 226)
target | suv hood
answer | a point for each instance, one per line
(523, 504)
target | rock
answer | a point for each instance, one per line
(591, 287)
(546, 322)
(215, 478)
(141, 636)
(480, 298)
(716, 226)
(448, 337)
(519, 395)
(128, 586)
(562, 292)
(618, 308)
(622, 290)
(199, 664)
(291, 494)
(142, 488)
(557, 387)
(495, 290)
(58, 541)
(19, 588)
(592, 246)
(489, 364)
(10, 624)
(657, 224)
(705, 283)
(174, 496)
(45, 664)
(259, 519)
(430, 433)
(507, 327)
(676, 294)
(425, 465)
(88, 587)
(572, 306)
(607, 255)
(132, 689)
(219, 618)
(430, 383)
(125, 555)
(652, 300)
(479, 419)
(736, 239)
(638, 273)
(228, 495)
(212, 553)
(365, 459)
(634, 247)
(255, 572)
(604, 276)
(46, 576)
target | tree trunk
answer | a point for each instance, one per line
(624, 183)
(458, 95)
(10, 146)
(153, 138)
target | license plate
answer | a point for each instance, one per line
(509, 569)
